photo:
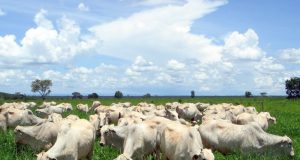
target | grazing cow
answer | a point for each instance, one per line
(140, 140)
(83, 107)
(113, 136)
(179, 142)
(98, 121)
(12, 117)
(74, 141)
(47, 104)
(247, 139)
(189, 112)
(40, 136)
(54, 117)
(95, 105)
(264, 119)
(49, 110)
(226, 115)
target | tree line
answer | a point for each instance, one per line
(292, 87)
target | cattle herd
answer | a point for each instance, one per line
(174, 131)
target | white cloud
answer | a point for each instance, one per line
(140, 66)
(267, 65)
(163, 32)
(175, 65)
(243, 45)
(44, 43)
(291, 55)
(2, 13)
(83, 7)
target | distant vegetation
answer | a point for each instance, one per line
(192, 94)
(42, 87)
(248, 94)
(118, 94)
(292, 87)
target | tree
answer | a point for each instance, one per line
(76, 95)
(292, 87)
(42, 87)
(193, 94)
(118, 94)
(93, 95)
(147, 95)
(248, 94)
(263, 94)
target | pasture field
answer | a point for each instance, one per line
(287, 113)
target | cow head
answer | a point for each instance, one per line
(106, 132)
(172, 115)
(286, 145)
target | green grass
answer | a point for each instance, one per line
(287, 113)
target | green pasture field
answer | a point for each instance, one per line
(287, 113)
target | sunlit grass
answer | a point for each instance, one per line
(287, 113)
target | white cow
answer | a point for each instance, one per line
(12, 117)
(264, 119)
(247, 139)
(179, 142)
(189, 111)
(40, 136)
(75, 140)
(83, 107)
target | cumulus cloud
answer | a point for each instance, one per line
(162, 31)
(139, 66)
(175, 65)
(83, 7)
(2, 13)
(290, 55)
(243, 45)
(44, 43)
(268, 65)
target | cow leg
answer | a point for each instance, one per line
(90, 155)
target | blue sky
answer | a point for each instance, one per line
(170, 47)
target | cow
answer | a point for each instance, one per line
(248, 139)
(264, 119)
(83, 107)
(12, 117)
(113, 136)
(95, 105)
(75, 140)
(39, 136)
(98, 121)
(179, 142)
(189, 112)
(54, 117)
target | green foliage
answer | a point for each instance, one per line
(248, 94)
(147, 95)
(93, 95)
(76, 95)
(292, 87)
(42, 87)
(192, 94)
(118, 94)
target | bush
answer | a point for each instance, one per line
(292, 87)
(192, 94)
(248, 94)
(147, 95)
(93, 96)
(118, 94)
